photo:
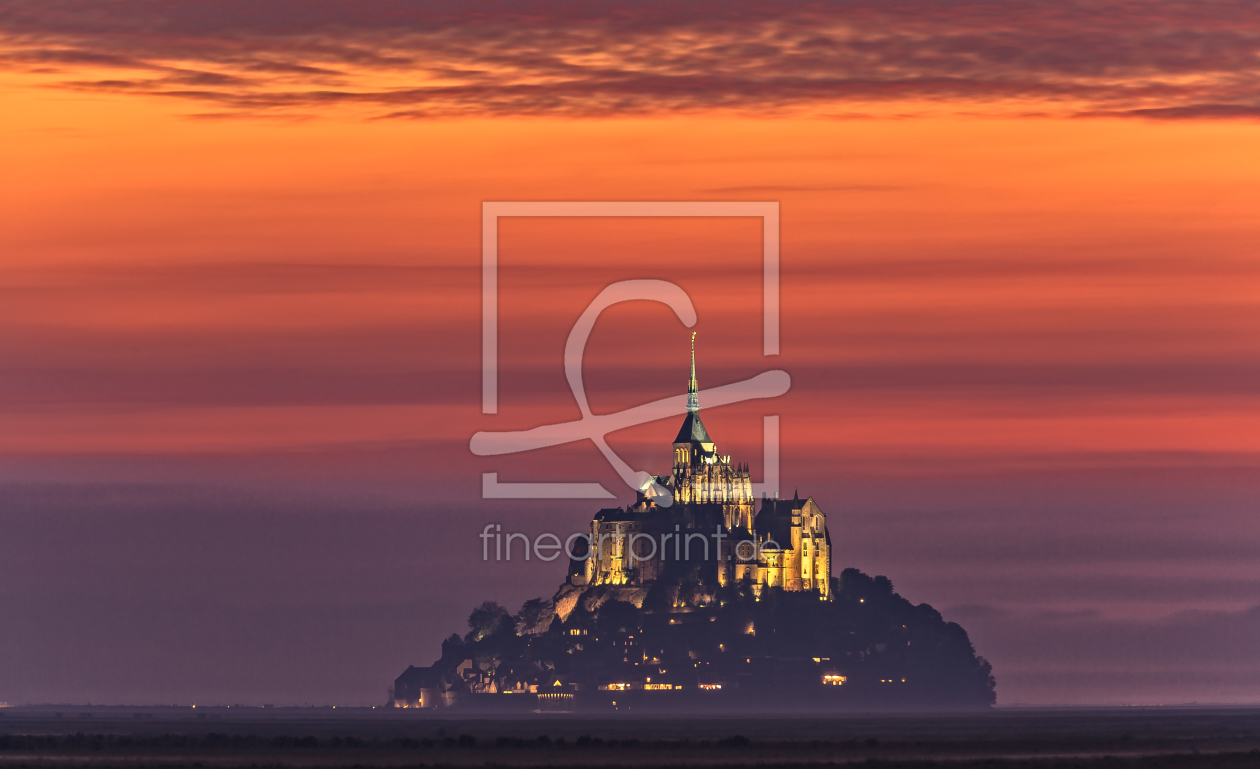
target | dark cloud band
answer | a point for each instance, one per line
(1161, 60)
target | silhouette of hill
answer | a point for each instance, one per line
(867, 648)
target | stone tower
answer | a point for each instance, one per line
(701, 475)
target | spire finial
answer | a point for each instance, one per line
(693, 390)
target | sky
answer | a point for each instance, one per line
(240, 307)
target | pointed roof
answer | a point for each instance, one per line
(692, 430)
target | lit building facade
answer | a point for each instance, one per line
(713, 533)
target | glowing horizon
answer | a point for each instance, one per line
(1020, 300)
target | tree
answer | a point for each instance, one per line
(657, 599)
(531, 615)
(485, 620)
(616, 617)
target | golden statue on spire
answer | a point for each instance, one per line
(693, 390)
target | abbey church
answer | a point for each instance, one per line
(699, 596)
(701, 526)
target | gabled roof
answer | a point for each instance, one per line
(422, 678)
(780, 506)
(692, 430)
(775, 522)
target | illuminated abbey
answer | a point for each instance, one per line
(700, 596)
(705, 532)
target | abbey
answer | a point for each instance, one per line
(698, 596)
(701, 525)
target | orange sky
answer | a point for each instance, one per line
(918, 242)
(1061, 310)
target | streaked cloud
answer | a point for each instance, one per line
(1163, 60)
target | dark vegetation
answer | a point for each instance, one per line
(888, 651)
(1169, 761)
(1116, 738)
(1069, 750)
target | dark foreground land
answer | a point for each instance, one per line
(1128, 738)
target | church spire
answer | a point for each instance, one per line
(693, 390)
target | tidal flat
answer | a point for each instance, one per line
(203, 737)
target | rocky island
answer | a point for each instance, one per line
(697, 597)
